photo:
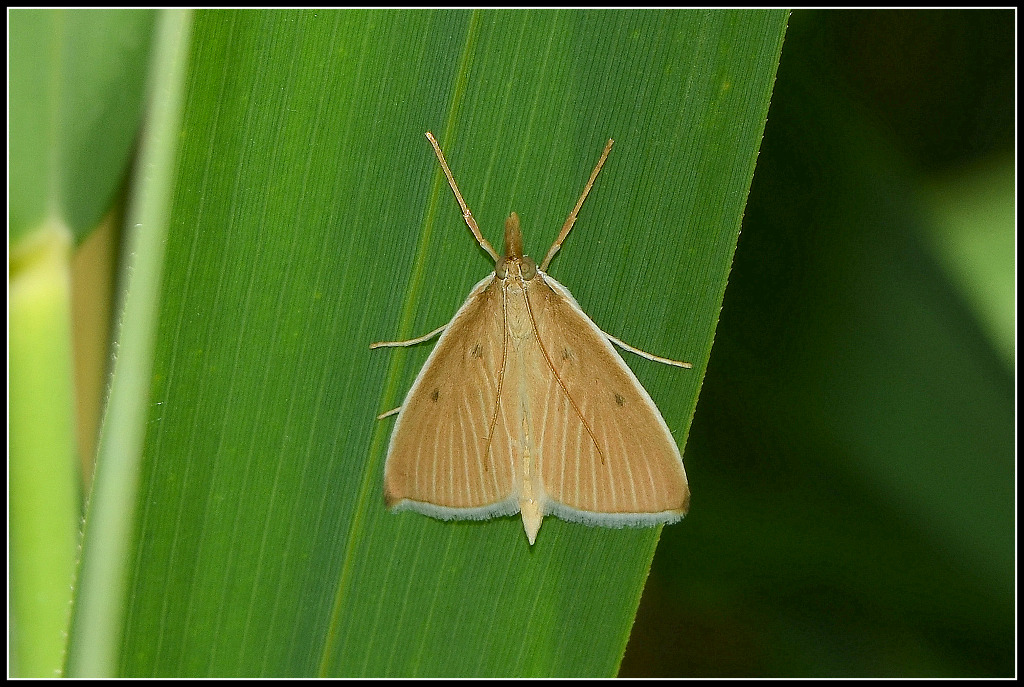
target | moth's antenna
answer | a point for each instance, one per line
(466, 214)
(572, 215)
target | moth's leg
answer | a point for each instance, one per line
(410, 342)
(571, 219)
(466, 214)
(390, 412)
(645, 354)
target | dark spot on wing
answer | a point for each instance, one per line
(437, 392)
(478, 351)
(566, 354)
(619, 399)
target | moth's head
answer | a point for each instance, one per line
(513, 263)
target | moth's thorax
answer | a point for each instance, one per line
(515, 292)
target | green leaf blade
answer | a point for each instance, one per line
(310, 219)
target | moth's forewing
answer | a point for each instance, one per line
(449, 454)
(602, 446)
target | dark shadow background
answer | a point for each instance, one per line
(852, 455)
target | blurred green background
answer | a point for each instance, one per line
(852, 453)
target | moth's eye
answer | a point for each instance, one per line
(501, 269)
(529, 268)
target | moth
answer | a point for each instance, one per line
(524, 406)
